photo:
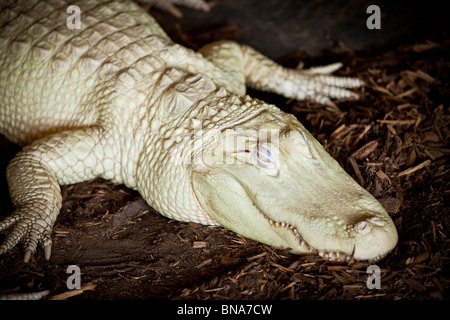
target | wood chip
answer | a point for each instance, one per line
(383, 176)
(414, 169)
(383, 90)
(398, 122)
(199, 244)
(391, 129)
(406, 93)
(414, 284)
(357, 171)
(257, 256)
(73, 293)
(422, 257)
(338, 132)
(365, 150)
(204, 263)
(425, 76)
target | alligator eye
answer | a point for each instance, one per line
(264, 155)
(297, 136)
(303, 136)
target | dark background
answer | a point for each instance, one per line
(280, 27)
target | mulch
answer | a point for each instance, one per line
(394, 141)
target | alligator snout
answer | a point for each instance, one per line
(376, 237)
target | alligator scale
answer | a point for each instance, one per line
(118, 99)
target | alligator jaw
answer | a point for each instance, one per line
(251, 220)
(332, 256)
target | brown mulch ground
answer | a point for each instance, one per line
(394, 141)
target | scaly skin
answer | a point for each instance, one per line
(118, 99)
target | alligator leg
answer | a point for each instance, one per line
(228, 57)
(251, 68)
(34, 176)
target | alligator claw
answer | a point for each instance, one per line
(29, 229)
(318, 84)
(27, 256)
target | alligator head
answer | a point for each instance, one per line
(270, 180)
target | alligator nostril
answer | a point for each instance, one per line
(363, 227)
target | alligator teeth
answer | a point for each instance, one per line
(376, 259)
(333, 256)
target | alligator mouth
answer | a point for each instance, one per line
(332, 256)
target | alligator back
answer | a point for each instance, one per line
(49, 70)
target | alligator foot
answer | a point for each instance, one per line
(28, 227)
(245, 66)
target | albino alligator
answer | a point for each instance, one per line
(118, 99)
